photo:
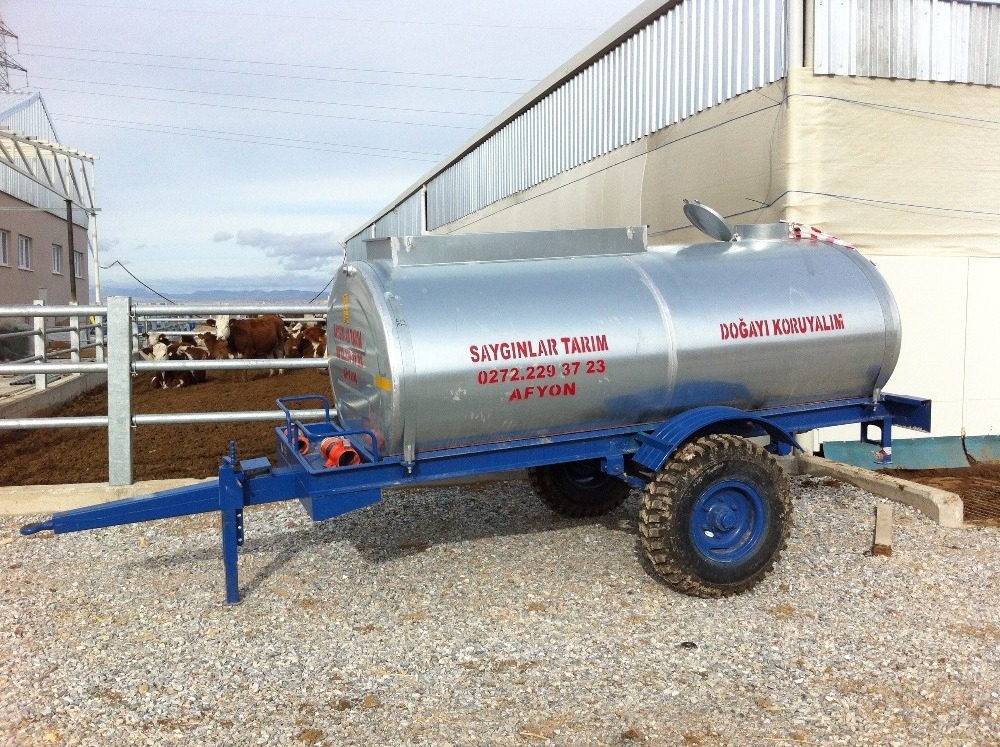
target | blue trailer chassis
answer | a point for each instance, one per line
(632, 454)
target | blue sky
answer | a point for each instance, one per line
(240, 142)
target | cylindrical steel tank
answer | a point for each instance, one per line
(445, 341)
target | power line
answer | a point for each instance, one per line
(264, 111)
(265, 98)
(264, 140)
(338, 19)
(323, 289)
(151, 290)
(282, 64)
(266, 75)
(251, 135)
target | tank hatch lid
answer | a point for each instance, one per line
(708, 221)
(499, 247)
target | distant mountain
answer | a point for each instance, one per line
(219, 294)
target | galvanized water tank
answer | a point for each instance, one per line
(444, 341)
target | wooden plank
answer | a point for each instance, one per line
(883, 530)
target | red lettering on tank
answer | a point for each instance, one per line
(506, 350)
(350, 356)
(744, 329)
(567, 389)
(348, 335)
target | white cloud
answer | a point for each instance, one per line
(295, 252)
(222, 236)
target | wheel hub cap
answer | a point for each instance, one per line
(728, 522)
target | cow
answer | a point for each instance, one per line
(158, 337)
(216, 348)
(260, 337)
(293, 344)
(178, 352)
(305, 342)
(152, 339)
(313, 344)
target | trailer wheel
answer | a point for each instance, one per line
(578, 489)
(716, 517)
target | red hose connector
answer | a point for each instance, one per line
(303, 442)
(338, 452)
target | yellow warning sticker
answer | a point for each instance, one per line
(383, 383)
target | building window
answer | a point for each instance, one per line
(78, 264)
(24, 252)
(4, 247)
(56, 259)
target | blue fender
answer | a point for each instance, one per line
(658, 446)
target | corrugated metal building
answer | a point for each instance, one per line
(876, 120)
(37, 175)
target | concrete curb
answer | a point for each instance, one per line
(21, 500)
(30, 401)
(943, 507)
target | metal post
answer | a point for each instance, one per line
(99, 339)
(72, 254)
(41, 380)
(119, 390)
(97, 259)
(74, 336)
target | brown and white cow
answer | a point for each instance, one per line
(216, 348)
(178, 352)
(305, 342)
(260, 337)
(313, 344)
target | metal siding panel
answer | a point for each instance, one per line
(991, 67)
(689, 47)
(696, 30)
(940, 41)
(978, 42)
(821, 37)
(659, 74)
(961, 18)
(729, 44)
(900, 40)
(627, 82)
(672, 71)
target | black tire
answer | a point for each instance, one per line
(716, 517)
(578, 489)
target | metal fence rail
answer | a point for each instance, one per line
(122, 318)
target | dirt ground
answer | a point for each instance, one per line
(70, 455)
(978, 485)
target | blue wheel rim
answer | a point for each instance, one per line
(728, 522)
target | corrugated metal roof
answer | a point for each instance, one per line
(939, 40)
(26, 112)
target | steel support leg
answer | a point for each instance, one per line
(231, 502)
(232, 540)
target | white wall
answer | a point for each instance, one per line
(950, 313)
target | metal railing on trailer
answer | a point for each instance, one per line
(120, 364)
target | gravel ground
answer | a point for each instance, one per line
(474, 616)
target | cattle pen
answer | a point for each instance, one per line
(119, 326)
